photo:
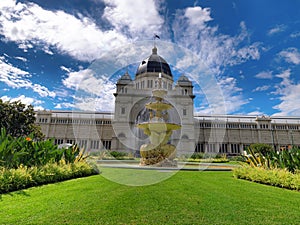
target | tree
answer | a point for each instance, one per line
(18, 119)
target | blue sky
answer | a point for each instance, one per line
(248, 49)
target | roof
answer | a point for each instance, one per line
(155, 64)
(184, 81)
(124, 79)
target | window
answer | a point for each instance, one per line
(121, 135)
(106, 144)
(106, 122)
(149, 83)
(95, 144)
(210, 147)
(70, 141)
(165, 84)
(82, 144)
(184, 112)
(223, 148)
(292, 127)
(123, 110)
(199, 147)
(43, 120)
(235, 148)
(58, 141)
(184, 137)
(232, 125)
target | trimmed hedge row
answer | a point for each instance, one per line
(24, 177)
(275, 177)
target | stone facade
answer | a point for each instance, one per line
(201, 133)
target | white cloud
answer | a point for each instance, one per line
(92, 93)
(291, 55)
(43, 91)
(295, 34)
(17, 78)
(231, 93)
(289, 93)
(25, 100)
(277, 29)
(135, 18)
(285, 76)
(13, 76)
(214, 52)
(30, 25)
(65, 69)
(215, 49)
(64, 105)
(261, 88)
(290, 101)
(21, 58)
(223, 97)
(264, 75)
(198, 16)
(255, 113)
(94, 104)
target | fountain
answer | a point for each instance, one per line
(159, 152)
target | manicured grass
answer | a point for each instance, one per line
(185, 198)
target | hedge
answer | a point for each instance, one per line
(275, 177)
(24, 177)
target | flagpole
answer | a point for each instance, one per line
(154, 37)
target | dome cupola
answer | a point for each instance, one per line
(125, 79)
(154, 64)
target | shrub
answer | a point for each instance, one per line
(24, 177)
(286, 159)
(28, 152)
(197, 155)
(264, 149)
(238, 158)
(274, 177)
(117, 154)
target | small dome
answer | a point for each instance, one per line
(125, 79)
(183, 80)
(154, 64)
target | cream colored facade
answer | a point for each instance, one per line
(213, 133)
(228, 134)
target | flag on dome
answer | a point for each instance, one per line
(156, 36)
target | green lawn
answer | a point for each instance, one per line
(185, 198)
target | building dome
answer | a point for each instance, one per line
(184, 81)
(154, 64)
(125, 79)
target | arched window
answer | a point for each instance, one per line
(184, 137)
(121, 135)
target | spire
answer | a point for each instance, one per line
(154, 50)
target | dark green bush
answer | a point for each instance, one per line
(25, 151)
(286, 159)
(197, 155)
(117, 154)
(264, 149)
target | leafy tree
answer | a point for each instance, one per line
(18, 119)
